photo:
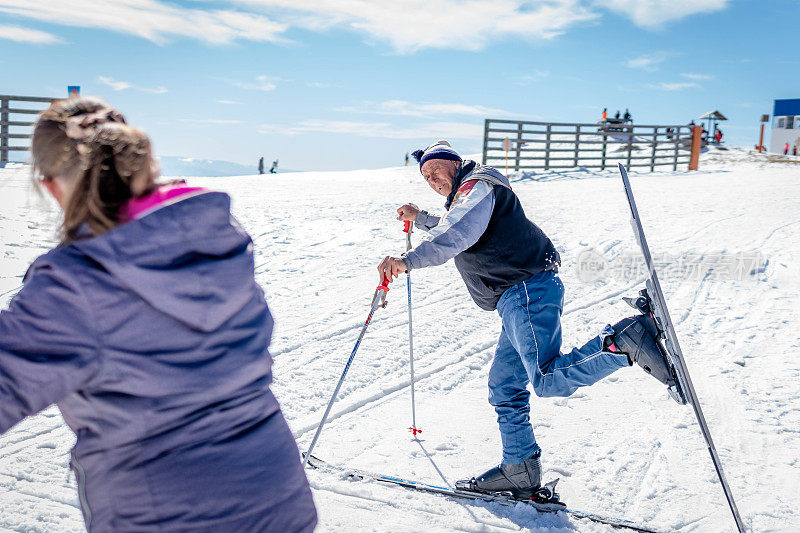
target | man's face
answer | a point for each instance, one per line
(439, 174)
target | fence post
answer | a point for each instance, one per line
(485, 139)
(577, 144)
(630, 148)
(694, 160)
(519, 146)
(4, 105)
(603, 155)
(547, 149)
(653, 152)
(677, 139)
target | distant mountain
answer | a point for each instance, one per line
(188, 166)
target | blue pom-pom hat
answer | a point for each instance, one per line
(438, 150)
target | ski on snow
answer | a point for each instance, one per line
(502, 499)
(652, 301)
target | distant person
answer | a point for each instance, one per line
(274, 168)
(147, 329)
(616, 115)
(627, 116)
(261, 166)
(794, 150)
(718, 135)
(786, 149)
(670, 133)
(604, 116)
(407, 156)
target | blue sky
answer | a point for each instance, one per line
(346, 84)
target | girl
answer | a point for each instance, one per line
(146, 327)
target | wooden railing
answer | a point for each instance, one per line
(13, 128)
(521, 145)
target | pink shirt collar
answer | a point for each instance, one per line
(165, 195)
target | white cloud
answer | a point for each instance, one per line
(209, 121)
(441, 130)
(698, 77)
(261, 83)
(27, 35)
(150, 19)
(409, 109)
(118, 85)
(648, 62)
(534, 75)
(404, 25)
(677, 86)
(655, 13)
(411, 25)
(157, 90)
(114, 84)
(228, 102)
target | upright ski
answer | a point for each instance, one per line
(684, 392)
(552, 506)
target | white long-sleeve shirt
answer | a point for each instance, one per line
(457, 230)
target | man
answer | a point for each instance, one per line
(509, 264)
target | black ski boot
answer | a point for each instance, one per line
(522, 480)
(636, 337)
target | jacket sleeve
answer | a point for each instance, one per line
(425, 221)
(48, 348)
(459, 228)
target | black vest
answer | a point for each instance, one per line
(511, 250)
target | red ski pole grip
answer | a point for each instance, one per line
(406, 226)
(384, 286)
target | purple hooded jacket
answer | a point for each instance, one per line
(152, 340)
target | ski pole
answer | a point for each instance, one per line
(378, 300)
(413, 429)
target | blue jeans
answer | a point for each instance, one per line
(529, 351)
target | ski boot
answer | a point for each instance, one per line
(637, 337)
(522, 480)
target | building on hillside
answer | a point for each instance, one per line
(785, 125)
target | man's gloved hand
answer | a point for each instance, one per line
(407, 212)
(391, 267)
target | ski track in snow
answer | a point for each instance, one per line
(620, 447)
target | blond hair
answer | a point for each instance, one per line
(87, 143)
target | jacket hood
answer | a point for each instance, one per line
(490, 174)
(470, 170)
(189, 259)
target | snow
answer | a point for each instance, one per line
(621, 447)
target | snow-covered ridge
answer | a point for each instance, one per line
(621, 447)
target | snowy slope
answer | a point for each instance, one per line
(621, 447)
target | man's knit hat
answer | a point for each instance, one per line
(438, 150)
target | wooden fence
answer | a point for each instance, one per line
(16, 129)
(522, 145)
